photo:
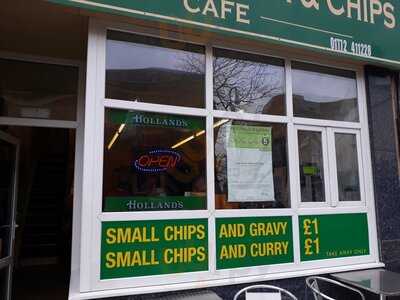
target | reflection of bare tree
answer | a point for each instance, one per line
(221, 140)
(240, 84)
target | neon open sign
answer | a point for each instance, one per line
(157, 161)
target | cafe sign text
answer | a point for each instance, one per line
(363, 29)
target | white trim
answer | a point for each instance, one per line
(326, 123)
(98, 156)
(266, 212)
(78, 185)
(250, 117)
(156, 215)
(87, 213)
(38, 123)
(40, 59)
(333, 167)
(210, 163)
(149, 107)
(325, 161)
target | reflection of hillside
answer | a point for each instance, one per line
(343, 110)
(156, 85)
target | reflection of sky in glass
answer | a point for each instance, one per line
(317, 87)
(129, 56)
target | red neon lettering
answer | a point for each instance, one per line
(165, 161)
(154, 161)
(160, 161)
(173, 161)
(144, 160)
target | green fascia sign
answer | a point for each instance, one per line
(253, 241)
(333, 236)
(144, 248)
(364, 29)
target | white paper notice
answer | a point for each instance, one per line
(249, 164)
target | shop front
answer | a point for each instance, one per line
(219, 143)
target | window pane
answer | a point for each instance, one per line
(251, 168)
(151, 70)
(40, 91)
(7, 165)
(153, 162)
(249, 83)
(347, 167)
(311, 167)
(324, 93)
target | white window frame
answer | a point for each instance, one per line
(330, 167)
(325, 161)
(90, 284)
(335, 202)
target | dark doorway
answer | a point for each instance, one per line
(44, 212)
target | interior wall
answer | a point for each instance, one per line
(40, 28)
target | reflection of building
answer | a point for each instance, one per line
(155, 85)
(342, 107)
(304, 108)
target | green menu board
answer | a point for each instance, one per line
(253, 241)
(142, 248)
(333, 236)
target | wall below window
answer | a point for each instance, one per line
(385, 162)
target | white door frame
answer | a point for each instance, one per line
(78, 125)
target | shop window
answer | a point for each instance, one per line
(37, 90)
(324, 93)
(347, 167)
(329, 165)
(151, 70)
(282, 184)
(251, 168)
(153, 162)
(248, 83)
(311, 164)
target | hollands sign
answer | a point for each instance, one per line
(367, 29)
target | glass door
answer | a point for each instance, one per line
(330, 167)
(9, 148)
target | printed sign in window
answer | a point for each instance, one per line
(249, 159)
(246, 242)
(333, 236)
(142, 248)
